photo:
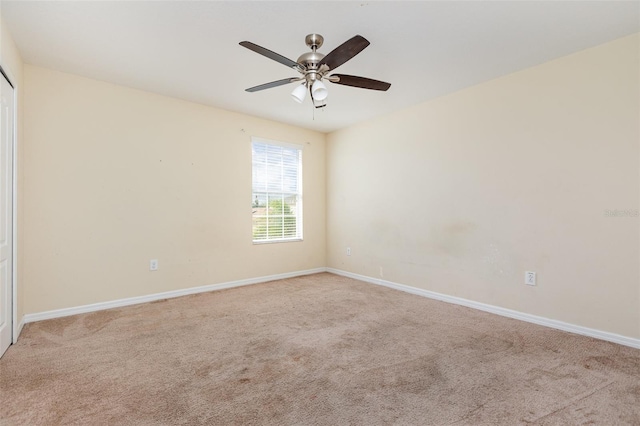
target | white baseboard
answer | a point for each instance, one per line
(559, 325)
(58, 313)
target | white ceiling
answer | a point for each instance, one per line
(190, 50)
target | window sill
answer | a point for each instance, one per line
(260, 242)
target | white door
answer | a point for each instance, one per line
(6, 212)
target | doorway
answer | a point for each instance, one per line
(7, 135)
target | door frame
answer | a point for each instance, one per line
(16, 327)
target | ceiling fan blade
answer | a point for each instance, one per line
(273, 84)
(269, 54)
(344, 52)
(362, 82)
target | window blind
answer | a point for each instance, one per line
(277, 191)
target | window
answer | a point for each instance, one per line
(277, 191)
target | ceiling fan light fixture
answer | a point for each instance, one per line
(299, 93)
(319, 90)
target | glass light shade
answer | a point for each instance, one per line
(299, 93)
(319, 91)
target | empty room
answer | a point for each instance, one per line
(319, 212)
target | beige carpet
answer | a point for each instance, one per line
(315, 350)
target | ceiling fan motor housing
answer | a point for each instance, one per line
(310, 59)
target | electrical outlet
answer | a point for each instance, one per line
(530, 278)
(381, 273)
(348, 251)
(153, 265)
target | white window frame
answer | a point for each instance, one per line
(298, 194)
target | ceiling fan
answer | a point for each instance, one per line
(314, 67)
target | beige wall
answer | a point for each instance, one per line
(463, 194)
(115, 177)
(11, 62)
